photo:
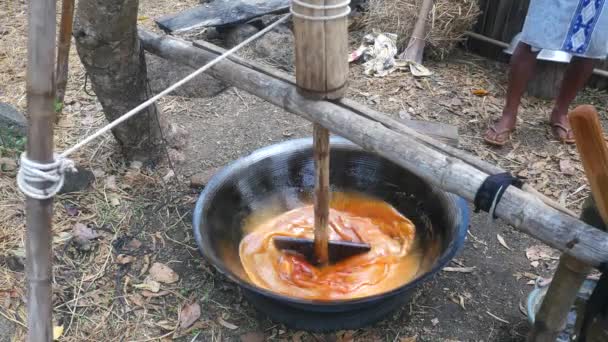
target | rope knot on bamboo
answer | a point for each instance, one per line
(43, 181)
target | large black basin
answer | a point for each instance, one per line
(284, 175)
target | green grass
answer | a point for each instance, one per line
(11, 143)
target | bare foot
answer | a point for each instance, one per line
(500, 132)
(560, 127)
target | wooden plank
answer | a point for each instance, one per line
(522, 210)
(221, 13)
(39, 213)
(445, 133)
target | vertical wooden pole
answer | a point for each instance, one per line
(321, 73)
(321, 205)
(570, 272)
(40, 97)
(415, 47)
(63, 53)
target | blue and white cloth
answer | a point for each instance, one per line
(579, 27)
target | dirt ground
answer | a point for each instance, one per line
(140, 216)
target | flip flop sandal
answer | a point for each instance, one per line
(569, 139)
(497, 134)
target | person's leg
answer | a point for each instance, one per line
(523, 62)
(576, 76)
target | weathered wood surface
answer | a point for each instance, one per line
(39, 213)
(63, 49)
(445, 133)
(221, 13)
(415, 47)
(522, 210)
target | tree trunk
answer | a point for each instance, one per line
(108, 46)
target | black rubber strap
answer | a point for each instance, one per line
(493, 188)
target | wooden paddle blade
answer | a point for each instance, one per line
(338, 250)
(592, 148)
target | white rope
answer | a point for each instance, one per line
(320, 7)
(43, 181)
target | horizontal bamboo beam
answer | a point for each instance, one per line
(522, 210)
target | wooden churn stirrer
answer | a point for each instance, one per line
(321, 37)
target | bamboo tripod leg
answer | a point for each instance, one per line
(63, 51)
(40, 97)
(321, 201)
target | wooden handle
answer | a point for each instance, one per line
(321, 205)
(594, 153)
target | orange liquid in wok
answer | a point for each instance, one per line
(392, 262)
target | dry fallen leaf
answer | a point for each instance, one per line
(257, 336)
(123, 259)
(227, 325)
(82, 232)
(409, 339)
(566, 167)
(163, 274)
(502, 241)
(540, 252)
(166, 325)
(57, 332)
(149, 284)
(150, 294)
(137, 299)
(480, 92)
(189, 314)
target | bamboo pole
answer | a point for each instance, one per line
(431, 136)
(522, 210)
(40, 97)
(63, 52)
(321, 47)
(415, 47)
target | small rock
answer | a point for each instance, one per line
(238, 34)
(404, 115)
(136, 165)
(256, 336)
(12, 119)
(8, 164)
(201, 179)
(15, 263)
(77, 181)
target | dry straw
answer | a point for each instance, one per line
(448, 20)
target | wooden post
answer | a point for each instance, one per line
(40, 97)
(415, 47)
(321, 37)
(63, 53)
